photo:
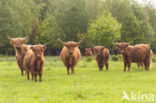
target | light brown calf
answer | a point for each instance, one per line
(34, 61)
(102, 56)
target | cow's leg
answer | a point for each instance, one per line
(72, 70)
(35, 75)
(21, 68)
(125, 64)
(100, 66)
(68, 70)
(129, 65)
(146, 66)
(145, 63)
(27, 73)
(138, 65)
(106, 66)
(40, 75)
(142, 64)
(32, 77)
(22, 72)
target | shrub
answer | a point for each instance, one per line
(116, 57)
(89, 59)
(154, 58)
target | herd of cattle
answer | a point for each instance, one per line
(30, 58)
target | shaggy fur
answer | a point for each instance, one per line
(151, 54)
(88, 52)
(138, 54)
(20, 49)
(70, 55)
(102, 56)
(34, 61)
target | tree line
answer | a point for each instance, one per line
(99, 22)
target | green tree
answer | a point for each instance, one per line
(134, 19)
(105, 30)
(71, 18)
(50, 32)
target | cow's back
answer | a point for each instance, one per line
(28, 58)
(137, 53)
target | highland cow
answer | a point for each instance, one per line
(70, 54)
(102, 56)
(88, 52)
(34, 61)
(20, 49)
(138, 54)
(151, 54)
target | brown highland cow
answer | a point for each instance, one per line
(138, 54)
(34, 61)
(88, 52)
(70, 54)
(151, 54)
(102, 56)
(20, 49)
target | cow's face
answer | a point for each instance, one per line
(18, 42)
(71, 46)
(88, 50)
(98, 50)
(38, 50)
(122, 46)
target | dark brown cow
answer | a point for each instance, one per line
(20, 49)
(34, 61)
(88, 52)
(70, 54)
(102, 56)
(138, 54)
(151, 54)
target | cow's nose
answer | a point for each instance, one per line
(18, 47)
(98, 54)
(71, 52)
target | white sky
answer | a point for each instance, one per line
(153, 2)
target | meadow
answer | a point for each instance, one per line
(87, 85)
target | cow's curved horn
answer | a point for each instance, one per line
(45, 44)
(26, 37)
(127, 43)
(81, 41)
(9, 37)
(61, 41)
(116, 43)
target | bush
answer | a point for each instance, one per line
(116, 57)
(88, 58)
(154, 58)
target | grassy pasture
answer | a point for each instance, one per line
(88, 85)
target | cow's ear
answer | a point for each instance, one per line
(117, 44)
(65, 45)
(127, 44)
(24, 40)
(44, 47)
(11, 40)
(77, 45)
(32, 48)
(102, 48)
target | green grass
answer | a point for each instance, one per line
(87, 85)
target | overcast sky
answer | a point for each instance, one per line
(153, 2)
